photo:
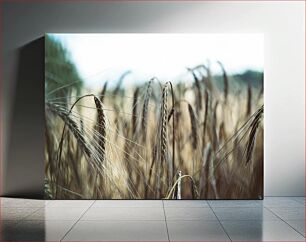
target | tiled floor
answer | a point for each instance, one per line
(273, 219)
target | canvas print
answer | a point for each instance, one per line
(154, 116)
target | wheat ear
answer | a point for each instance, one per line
(194, 129)
(101, 128)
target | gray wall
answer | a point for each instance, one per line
(281, 22)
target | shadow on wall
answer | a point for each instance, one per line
(29, 230)
(25, 165)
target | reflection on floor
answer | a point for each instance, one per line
(273, 219)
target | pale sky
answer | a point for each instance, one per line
(101, 57)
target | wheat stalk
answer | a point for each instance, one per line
(101, 127)
(73, 127)
(134, 111)
(194, 129)
(103, 92)
(252, 135)
(144, 122)
(249, 100)
(225, 82)
(198, 88)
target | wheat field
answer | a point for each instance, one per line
(156, 140)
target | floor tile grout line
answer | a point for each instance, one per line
(220, 222)
(166, 221)
(77, 221)
(284, 221)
